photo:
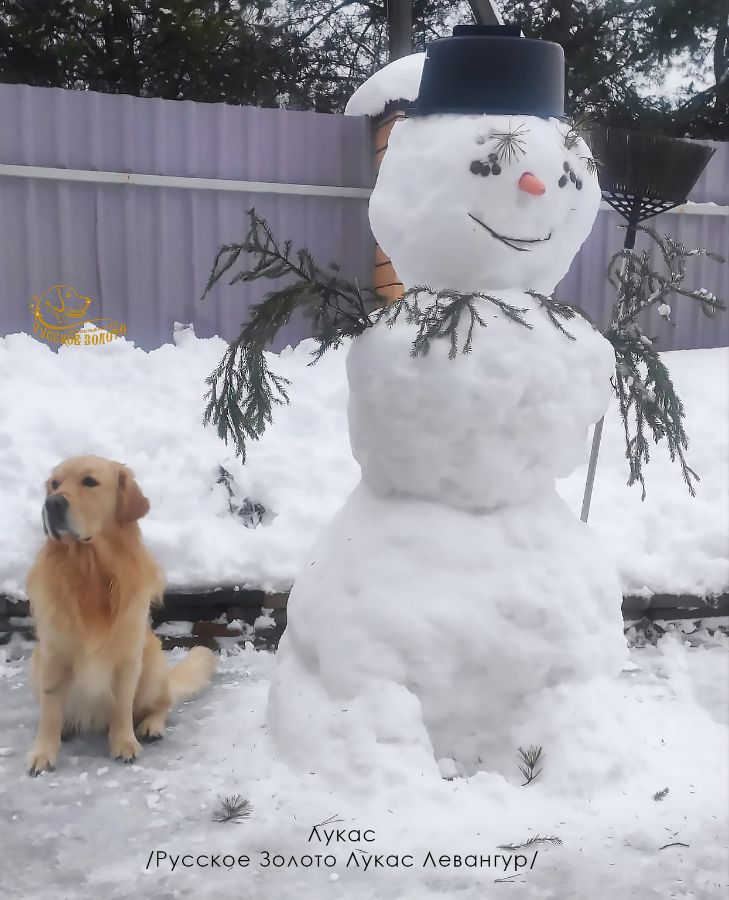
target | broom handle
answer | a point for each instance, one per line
(591, 467)
(597, 433)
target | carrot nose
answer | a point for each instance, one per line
(531, 184)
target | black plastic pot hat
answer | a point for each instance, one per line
(491, 69)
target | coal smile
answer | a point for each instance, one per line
(511, 241)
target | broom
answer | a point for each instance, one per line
(641, 175)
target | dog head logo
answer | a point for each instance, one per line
(61, 316)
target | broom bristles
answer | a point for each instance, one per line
(650, 166)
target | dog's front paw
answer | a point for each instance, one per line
(151, 729)
(40, 760)
(125, 749)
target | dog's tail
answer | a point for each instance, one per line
(193, 674)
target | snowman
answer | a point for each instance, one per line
(454, 602)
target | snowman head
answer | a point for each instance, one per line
(484, 202)
(485, 186)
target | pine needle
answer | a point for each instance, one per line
(659, 795)
(530, 758)
(332, 820)
(530, 842)
(592, 164)
(510, 144)
(232, 809)
(578, 128)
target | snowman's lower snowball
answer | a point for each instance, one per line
(454, 595)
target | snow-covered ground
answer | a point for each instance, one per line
(96, 828)
(145, 409)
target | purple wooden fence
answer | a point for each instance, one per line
(143, 251)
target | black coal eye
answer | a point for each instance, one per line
(496, 169)
(88, 481)
(573, 177)
(54, 485)
(479, 168)
(578, 184)
(566, 167)
(493, 157)
(562, 181)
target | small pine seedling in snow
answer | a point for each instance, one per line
(537, 839)
(529, 760)
(232, 809)
(659, 795)
(330, 821)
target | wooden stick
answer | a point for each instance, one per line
(591, 467)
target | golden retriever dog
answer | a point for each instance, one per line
(97, 665)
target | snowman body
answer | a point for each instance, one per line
(455, 594)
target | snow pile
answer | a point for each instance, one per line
(145, 409)
(400, 80)
(670, 543)
(53, 405)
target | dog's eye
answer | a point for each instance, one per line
(88, 481)
(54, 485)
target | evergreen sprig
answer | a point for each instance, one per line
(232, 809)
(577, 128)
(530, 759)
(530, 842)
(646, 395)
(510, 145)
(442, 317)
(591, 164)
(242, 389)
(556, 310)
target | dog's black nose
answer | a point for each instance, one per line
(56, 505)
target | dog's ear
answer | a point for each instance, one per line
(131, 504)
